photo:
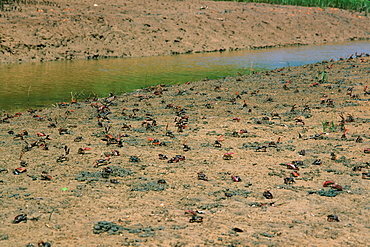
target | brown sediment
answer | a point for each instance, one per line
(195, 164)
(64, 30)
(88, 173)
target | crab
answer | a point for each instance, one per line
(101, 162)
(227, 156)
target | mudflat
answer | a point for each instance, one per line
(273, 158)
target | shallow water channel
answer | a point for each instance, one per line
(35, 85)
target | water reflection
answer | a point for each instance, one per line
(42, 84)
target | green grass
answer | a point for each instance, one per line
(356, 5)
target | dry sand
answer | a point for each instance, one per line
(68, 30)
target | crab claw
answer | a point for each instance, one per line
(40, 134)
(337, 187)
(328, 183)
(190, 212)
(236, 178)
(292, 166)
(295, 174)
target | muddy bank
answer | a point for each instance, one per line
(83, 29)
(275, 158)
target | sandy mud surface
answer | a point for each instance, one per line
(274, 158)
(233, 162)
